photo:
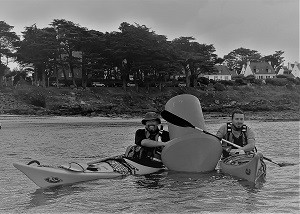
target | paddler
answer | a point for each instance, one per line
(149, 140)
(238, 133)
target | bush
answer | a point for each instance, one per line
(212, 81)
(203, 80)
(226, 82)
(240, 76)
(249, 78)
(240, 82)
(219, 87)
(280, 76)
(31, 95)
(258, 81)
(294, 81)
(39, 101)
(290, 86)
(277, 81)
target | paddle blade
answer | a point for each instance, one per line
(175, 120)
(286, 164)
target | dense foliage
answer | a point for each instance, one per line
(8, 41)
(134, 53)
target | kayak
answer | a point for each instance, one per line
(250, 167)
(46, 176)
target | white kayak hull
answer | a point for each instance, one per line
(49, 176)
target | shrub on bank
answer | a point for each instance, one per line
(249, 78)
(258, 81)
(240, 76)
(226, 82)
(277, 81)
(294, 81)
(203, 80)
(281, 76)
(31, 95)
(219, 87)
(240, 82)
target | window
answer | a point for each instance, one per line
(254, 69)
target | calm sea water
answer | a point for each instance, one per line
(59, 140)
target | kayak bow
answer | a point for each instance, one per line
(249, 167)
(115, 167)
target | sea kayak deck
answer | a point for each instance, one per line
(250, 167)
(47, 176)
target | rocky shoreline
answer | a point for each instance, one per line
(280, 104)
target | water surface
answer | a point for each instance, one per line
(59, 140)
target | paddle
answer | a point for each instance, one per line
(178, 121)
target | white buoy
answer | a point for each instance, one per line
(189, 108)
(189, 150)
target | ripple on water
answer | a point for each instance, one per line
(55, 141)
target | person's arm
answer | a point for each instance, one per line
(151, 143)
(141, 140)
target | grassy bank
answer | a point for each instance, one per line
(259, 102)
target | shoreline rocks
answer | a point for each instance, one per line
(267, 104)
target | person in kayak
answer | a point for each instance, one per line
(149, 140)
(238, 133)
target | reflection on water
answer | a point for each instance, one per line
(152, 181)
(48, 196)
(56, 141)
(179, 180)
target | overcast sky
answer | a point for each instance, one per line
(262, 25)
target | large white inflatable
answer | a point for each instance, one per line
(189, 149)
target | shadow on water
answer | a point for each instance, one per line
(174, 180)
(51, 195)
(151, 181)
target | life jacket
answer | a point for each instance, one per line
(242, 140)
(141, 152)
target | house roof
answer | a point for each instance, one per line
(262, 68)
(284, 70)
(298, 65)
(222, 70)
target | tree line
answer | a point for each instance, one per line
(135, 50)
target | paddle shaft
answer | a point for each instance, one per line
(176, 120)
(267, 159)
(237, 146)
(226, 141)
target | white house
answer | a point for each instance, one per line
(296, 70)
(243, 70)
(261, 70)
(286, 70)
(222, 73)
